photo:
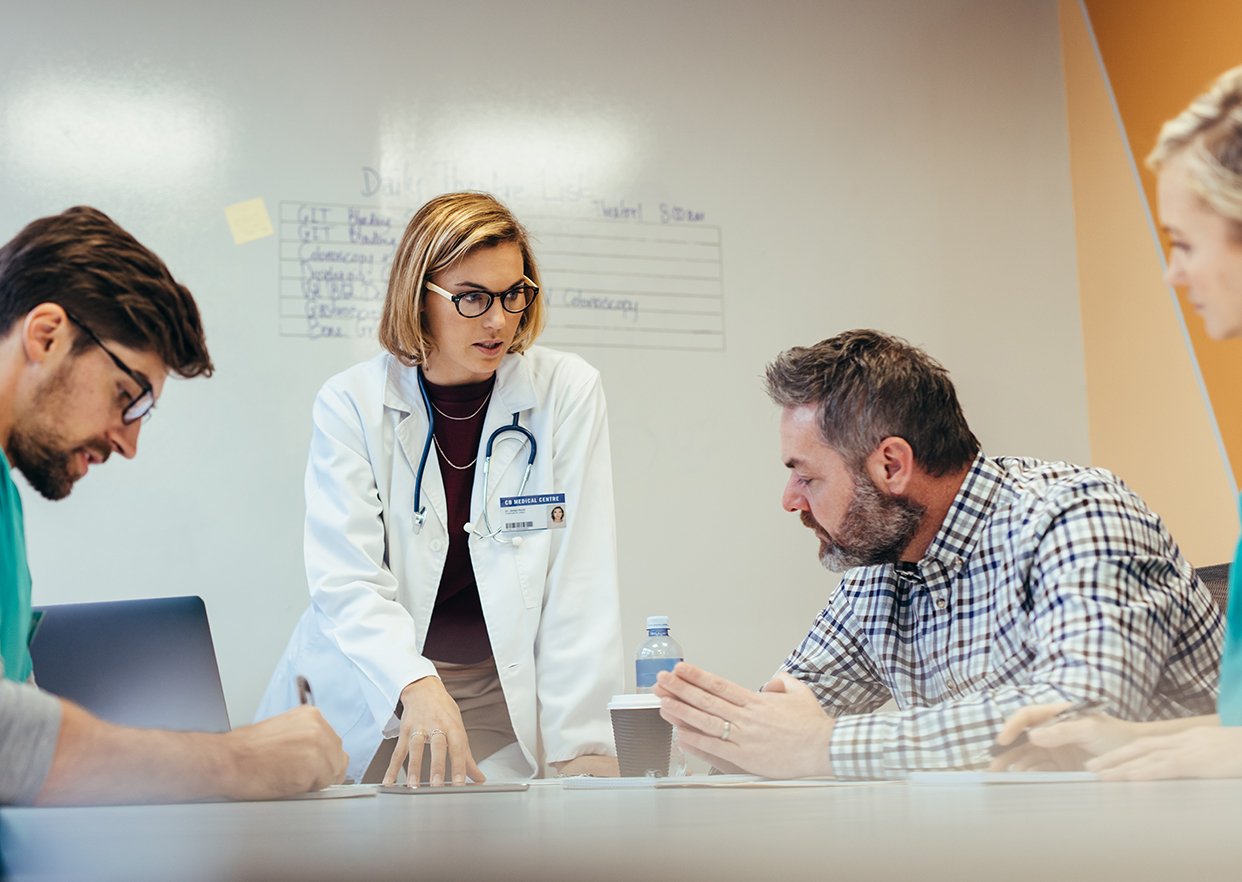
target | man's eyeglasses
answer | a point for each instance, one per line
(472, 304)
(140, 407)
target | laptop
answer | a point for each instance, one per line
(145, 663)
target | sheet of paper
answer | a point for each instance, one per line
(586, 782)
(458, 790)
(705, 781)
(338, 791)
(949, 779)
(765, 783)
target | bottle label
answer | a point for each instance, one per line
(645, 670)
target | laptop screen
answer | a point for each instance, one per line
(145, 663)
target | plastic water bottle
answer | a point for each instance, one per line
(660, 652)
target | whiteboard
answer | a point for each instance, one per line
(814, 167)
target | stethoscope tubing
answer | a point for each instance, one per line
(487, 465)
(420, 510)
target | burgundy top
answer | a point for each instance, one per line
(457, 632)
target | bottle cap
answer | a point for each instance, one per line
(657, 622)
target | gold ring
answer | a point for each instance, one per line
(418, 733)
(435, 732)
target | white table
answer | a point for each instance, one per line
(1054, 833)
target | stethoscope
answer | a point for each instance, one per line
(420, 510)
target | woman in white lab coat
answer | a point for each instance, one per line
(439, 623)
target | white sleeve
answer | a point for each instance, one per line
(351, 585)
(578, 663)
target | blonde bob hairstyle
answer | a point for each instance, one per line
(441, 233)
(1206, 138)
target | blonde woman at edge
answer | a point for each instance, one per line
(438, 629)
(1198, 159)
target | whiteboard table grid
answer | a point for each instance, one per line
(610, 283)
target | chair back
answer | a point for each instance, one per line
(1216, 578)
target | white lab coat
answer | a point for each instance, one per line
(550, 603)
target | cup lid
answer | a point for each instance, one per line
(629, 701)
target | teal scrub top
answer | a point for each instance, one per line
(14, 580)
(1229, 703)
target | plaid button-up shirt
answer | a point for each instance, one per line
(1046, 582)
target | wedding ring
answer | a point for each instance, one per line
(724, 736)
(435, 732)
(418, 733)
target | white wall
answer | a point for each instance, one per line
(900, 165)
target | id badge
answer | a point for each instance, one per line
(523, 514)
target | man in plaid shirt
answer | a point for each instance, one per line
(973, 586)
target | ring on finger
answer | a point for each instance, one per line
(418, 733)
(724, 735)
(435, 732)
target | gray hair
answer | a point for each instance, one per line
(869, 386)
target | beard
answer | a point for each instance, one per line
(41, 452)
(875, 530)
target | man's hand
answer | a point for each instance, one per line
(98, 763)
(291, 753)
(781, 732)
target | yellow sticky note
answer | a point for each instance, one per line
(248, 220)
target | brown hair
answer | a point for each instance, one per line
(441, 233)
(869, 386)
(83, 261)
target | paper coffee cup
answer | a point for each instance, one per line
(642, 737)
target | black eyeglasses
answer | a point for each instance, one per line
(472, 304)
(140, 407)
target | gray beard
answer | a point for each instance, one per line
(875, 530)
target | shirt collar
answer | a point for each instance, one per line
(962, 525)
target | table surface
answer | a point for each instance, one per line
(1159, 830)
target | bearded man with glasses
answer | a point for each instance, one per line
(91, 324)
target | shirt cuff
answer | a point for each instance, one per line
(856, 748)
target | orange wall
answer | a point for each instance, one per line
(1159, 55)
(1148, 418)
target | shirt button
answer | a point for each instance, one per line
(941, 603)
(951, 686)
(436, 544)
